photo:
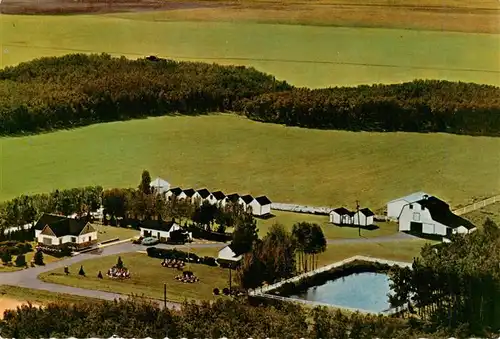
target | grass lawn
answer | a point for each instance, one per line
(40, 297)
(147, 278)
(111, 232)
(233, 154)
(478, 217)
(288, 219)
(313, 56)
(404, 250)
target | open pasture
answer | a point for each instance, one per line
(233, 154)
(313, 56)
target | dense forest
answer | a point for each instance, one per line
(77, 89)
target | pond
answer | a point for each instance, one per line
(364, 291)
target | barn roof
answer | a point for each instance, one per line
(440, 212)
(189, 192)
(263, 200)
(411, 197)
(48, 219)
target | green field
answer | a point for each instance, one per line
(478, 217)
(233, 154)
(311, 56)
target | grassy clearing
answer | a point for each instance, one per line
(233, 154)
(110, 232)
(147, 278)
(404, 250)
(478, 217)
(40, 297)
(311, 56)
(288, 219)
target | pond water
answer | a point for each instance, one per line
(365, 291)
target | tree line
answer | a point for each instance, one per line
(77, 89)
(454, 285)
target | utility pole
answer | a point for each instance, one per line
(359, 223)
(165, 295)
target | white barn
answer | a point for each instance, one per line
(363, 217)
(261, 206)
(395, 206)
(341, 216)
(159, 185)
(432, 216)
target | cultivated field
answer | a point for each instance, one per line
(233, 154)
(313, 56)
(448, 15)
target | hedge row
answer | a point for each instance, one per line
(77, 89)
(200, 233)
(162, 253)
(15, 247)
(354, 267)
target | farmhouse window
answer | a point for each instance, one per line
(416, 216)
(47, 241)
(90, 238)
(73, 239)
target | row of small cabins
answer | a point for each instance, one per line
(259, 206)
(342, 216)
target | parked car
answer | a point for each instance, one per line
(149, 241)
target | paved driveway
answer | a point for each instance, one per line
(29, 277)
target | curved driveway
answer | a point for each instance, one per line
(29, 277)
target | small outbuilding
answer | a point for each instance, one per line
(363, 217)
(173, 193)
(220, 198)
(261, 206)
(246, 201)
(158, 229)
(233, 198)
(341, 216)
(187, 194)
(227, 256)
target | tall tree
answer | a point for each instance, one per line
(145, 185)
(244, 235)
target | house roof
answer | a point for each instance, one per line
(176, 191)
(227, 253)
(47, 219)
(67, 226)
(411, 197)
(189, 192)
(204, 193)
(440, 212)
(233, 197)
(263, 200)
(367, 212)
(159, 182)
(341, 211)
(247, 198)
(219, 195)
(158, 225)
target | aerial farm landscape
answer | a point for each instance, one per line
(249, 169)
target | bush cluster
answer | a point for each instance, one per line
(15, 248)
(77, 89)
(162, 253)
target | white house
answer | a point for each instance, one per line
(246, 201)
(160, 185)
(363, 217)
(432, 216)
(187, 194)
(395, 206)
(220, 198)
(261, 206)
(341, 216)
(60, 231)
(173, 193)
(205, 195)
(158, 229)
(227, 255)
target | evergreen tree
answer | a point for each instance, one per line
(119, 263)
(38, 258)
(145, 185)
(244, 235)
(81, 272)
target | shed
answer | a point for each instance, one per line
(364, 217)
(341, 216)
(261, 206)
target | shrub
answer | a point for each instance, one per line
(81, 272)
(6, 257)
(21, 260)
(38, 258)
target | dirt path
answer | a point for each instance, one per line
(10, 304)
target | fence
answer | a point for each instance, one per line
(262, 290)
(477, 205)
